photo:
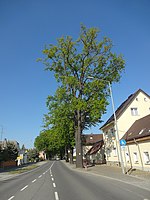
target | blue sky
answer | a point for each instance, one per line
(27, 26)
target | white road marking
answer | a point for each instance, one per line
(44, 172)
(24, 188)
(33, 180)
(54, 185)
(11, 197)
(56, 196)
(40, 176)
(52, 179)
(52, 165)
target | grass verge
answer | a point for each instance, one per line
(24, 169)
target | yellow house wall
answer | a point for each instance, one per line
(139, 149)
(126, 120)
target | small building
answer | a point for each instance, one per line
(42, 155)
(88, 140)
(93, 148)
(23, 157)
(137, 150)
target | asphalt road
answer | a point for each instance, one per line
(55, 181)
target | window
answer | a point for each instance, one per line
(134, 111)
(112, 131)
(127, 157)
(146, 158)
(135, 157)
(114, 151)
(145, 99)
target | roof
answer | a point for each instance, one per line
(95, 148)
(140, 129)
(90, 139)
(123, 106)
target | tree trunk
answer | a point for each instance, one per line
(71, 155)
(78, 132)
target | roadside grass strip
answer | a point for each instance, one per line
(22, 170)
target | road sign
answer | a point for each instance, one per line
(122, 142)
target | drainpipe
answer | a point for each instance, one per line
(130, 156)
(139, 153)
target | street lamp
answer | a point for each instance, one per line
(116, 127)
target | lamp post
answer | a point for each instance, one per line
(116, 133)
(116, 127)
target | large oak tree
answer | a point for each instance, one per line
(73, 63)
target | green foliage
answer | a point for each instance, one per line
(74, 61)
(79, 102)
(10, 152)
(33, 155)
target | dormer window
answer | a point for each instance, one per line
(91, 138)
(145, 99)
(141, 131)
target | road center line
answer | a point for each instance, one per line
(54, 185)
(56, 196)
(40, 176)
(52, 179)
(24, 188)
(33, 180)
(52, 165)
(11, 197)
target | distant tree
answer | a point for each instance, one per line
(10, 152)
(73, 62)
(61, 121)
(33, 155)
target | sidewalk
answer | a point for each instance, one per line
(138, 178)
